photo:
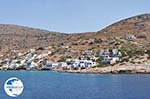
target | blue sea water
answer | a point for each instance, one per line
(54, 85)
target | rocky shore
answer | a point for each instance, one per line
(128, 68)
(117, 69)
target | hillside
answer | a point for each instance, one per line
(13, 37)
(122, 31)
(130, 33)
(139, 26)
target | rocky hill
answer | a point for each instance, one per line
(138, 26)
(130, 33)
(13, 37)
(134, 30)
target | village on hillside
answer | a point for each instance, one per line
(38, 59)
(122, 44)
(65, 57)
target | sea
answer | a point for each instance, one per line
(56, 85)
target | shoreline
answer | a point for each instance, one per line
(117, 69)
(125, 69)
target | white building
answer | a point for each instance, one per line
(82, 64)
(109, 58)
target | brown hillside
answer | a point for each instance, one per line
(137, 25)
(20, 37)
(116, 35)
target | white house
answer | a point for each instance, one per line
(130, 37)
(110, 58)
(116, 53)
(75, 64)
(82, 64)
(55, 65)
(106, 56)
(31, 65)
(66, 47)
(90, 63)
(64, 65)
(19, 54)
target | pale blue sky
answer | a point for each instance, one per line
(69, 15)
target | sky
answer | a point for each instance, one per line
(69, 16)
